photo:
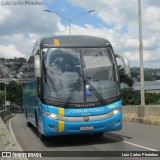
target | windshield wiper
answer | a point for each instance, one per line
(95, 92)
(71, 93)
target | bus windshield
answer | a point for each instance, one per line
(78, 73)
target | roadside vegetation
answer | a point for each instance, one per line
(131, 97)
(13, 94)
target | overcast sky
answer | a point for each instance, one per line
(115, 20)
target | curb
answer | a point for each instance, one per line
(141, 120)
(5, 115)
(7, 142)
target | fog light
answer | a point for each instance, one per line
(53, 128)
(116, 123)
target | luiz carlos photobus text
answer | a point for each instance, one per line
(22, 3)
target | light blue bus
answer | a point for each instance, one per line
(73, 86)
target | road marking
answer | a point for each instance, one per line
(14, 138)
(131, 143)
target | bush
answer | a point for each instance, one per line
(131, 97)
(152, 98)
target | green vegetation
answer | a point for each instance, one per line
(131, 97)
(14, 91)
(2, 97)
(152, 98)
(14, 94)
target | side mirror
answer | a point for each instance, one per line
(37, 65)
(126, 64)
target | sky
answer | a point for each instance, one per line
(21, 23)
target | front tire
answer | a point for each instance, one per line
(28, 124)
(41, 136)
(100, 134)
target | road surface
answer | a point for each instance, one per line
(133, 137)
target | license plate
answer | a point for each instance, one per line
(86, 128)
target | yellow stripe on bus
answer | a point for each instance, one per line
(61, 111)
(60, 126)
(56, 42)
(61, 123)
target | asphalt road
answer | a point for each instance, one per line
(133, 137)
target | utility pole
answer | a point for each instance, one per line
(141, 54)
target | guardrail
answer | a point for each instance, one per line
(5, 115)
(149, 114)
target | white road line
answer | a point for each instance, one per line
(14, 138)
(131, 143)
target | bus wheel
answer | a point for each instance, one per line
(41, 136)
(28, 124)
(25, 112)
(100, 134)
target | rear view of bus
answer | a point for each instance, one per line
(75, 86)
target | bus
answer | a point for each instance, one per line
(73, 86)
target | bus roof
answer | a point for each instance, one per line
(73, 41)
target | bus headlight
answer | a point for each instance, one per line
(116, 111)
(51, 115)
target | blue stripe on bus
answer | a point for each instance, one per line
(82, 111)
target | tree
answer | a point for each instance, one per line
(2, 86)
(2, 96)
(14, 91)
(129, 96)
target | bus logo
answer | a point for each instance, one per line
(86, 118)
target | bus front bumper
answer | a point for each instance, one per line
(53, 127)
